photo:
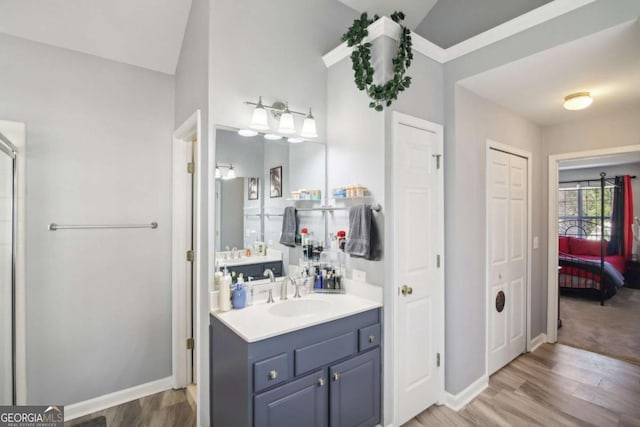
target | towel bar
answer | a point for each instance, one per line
(53, 226)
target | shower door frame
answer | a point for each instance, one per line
(9, 149)
(12, 142)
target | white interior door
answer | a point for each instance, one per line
(507, 233)
(418, 271)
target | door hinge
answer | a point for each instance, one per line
(191, 343)
(190, 167)
(190, 256)
(438, 261)
(438, 359)
(437, 156)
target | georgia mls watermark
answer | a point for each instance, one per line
(31, 416)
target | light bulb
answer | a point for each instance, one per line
(272, 137)
(294, 140)
(247, 132)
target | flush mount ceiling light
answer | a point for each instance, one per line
(309, 127)
(247, 132)
(577, 101)
(286, 121)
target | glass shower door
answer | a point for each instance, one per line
(7, 248)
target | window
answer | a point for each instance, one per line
(581, 206)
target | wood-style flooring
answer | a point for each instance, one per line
(556, 385)
(170, 408)
(612, 329)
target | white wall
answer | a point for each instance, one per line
(6, 258)
(477, 120)
(193, 92)
(99, 151)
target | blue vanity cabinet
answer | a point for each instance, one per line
(327, 375)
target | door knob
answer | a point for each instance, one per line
(406, 290)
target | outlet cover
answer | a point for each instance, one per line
(359, 275)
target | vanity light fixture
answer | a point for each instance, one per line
(286, 122)
(577, 101)
(272, 137)
(294, 140)
(259, 120)
(309, 127)
(231, 174)
(247, 132)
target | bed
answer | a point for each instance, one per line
(586, 268)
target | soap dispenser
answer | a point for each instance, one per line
(224, 295)
(239, 297)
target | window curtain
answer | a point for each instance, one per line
(622, 218)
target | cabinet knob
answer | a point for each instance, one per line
(336, 376)
(273, 374)
(372, 338)
(321, 382)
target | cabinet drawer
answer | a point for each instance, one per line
(270, 372)
(325, 352)
(368, 337)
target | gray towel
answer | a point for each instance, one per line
(289, 227)
(363, 239)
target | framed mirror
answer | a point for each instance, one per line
(256, 179)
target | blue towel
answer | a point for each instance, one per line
(363, 239)
(289, 227)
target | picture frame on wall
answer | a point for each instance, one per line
(275, 176)
(253, 187)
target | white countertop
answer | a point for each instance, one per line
(256, 322)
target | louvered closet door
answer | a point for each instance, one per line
(507, 221)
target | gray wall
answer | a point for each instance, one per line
(463, 346)
(192, 92)
(232, 218)
(477, 120)
(98, 151)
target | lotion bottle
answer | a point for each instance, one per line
(224, 303)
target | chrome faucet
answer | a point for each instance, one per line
(268, 273)
(283, 288)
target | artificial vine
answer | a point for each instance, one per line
(382, 95)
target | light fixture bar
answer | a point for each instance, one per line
(276, 109)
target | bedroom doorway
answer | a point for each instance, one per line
(607, 329)
(508, 230)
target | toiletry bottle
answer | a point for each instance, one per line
(249, 291)
(224, 302)
(217, 278)
(239, 297)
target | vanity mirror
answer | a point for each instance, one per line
(256, 179)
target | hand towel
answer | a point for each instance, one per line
(289, 227)
(363, 239)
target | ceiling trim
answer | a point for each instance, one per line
(387, 27)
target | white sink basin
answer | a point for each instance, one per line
(299, 308)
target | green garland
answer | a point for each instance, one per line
(388, 92)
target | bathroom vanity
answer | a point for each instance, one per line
(313, 361)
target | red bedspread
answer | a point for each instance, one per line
(617, 261)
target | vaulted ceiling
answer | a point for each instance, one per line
(146, 33)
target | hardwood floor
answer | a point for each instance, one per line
(167, 409)
(556, 385)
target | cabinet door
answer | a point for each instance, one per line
(303, 402)
(355, 391)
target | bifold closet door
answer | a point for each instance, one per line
(507, 270)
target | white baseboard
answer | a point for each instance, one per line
(458, 401)
(537, 341)
(99, 403)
